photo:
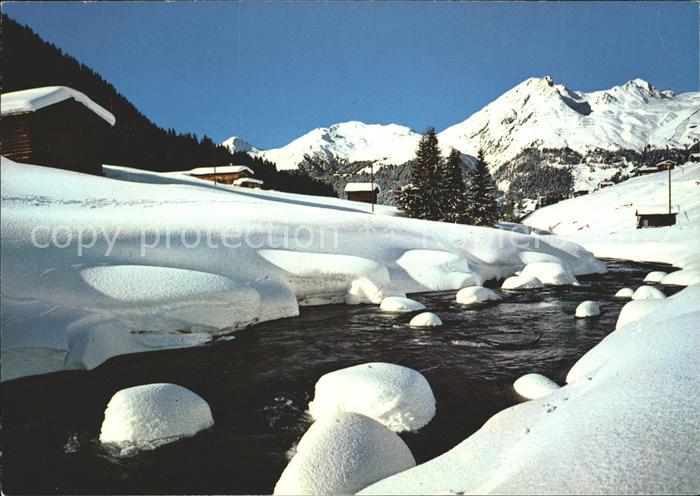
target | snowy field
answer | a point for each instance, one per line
(95, 267)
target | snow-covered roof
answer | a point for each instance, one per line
(666, 161)
(247, 180)
(653, 209)
(354, 187)
(647, 168)
(695, 155)
(224, 169)
(31, 100)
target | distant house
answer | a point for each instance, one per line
(652, 218)
(362, 192)
(666, 165)
(694, 157)
(225, 174)
(55, 126)
(248, 182)
(580, 192)
(605, 184)
(643, 170)
(548, 199)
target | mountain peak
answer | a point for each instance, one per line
(236, 144)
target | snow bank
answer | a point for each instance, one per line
(625, 293)
(396, 396)
(648, 293)
(550, 273)
(425, 319)
(684, 277)
(655, 276)
(534, 386)
(636, 310)
(522, 282)
(587, 309)
(93, 267)
(154, 414)
(342, 454)
(625, 423)
(475, 294)
(400, 304)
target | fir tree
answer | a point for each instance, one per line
(422, 198)
(453, 189)
(482, 209)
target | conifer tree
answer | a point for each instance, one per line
(482, 209)
(454, 203)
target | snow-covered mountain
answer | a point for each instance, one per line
(236, 144)
(537, 112)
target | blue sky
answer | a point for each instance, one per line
(269, 72)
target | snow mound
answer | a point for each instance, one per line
(425, 319)
(636, 310)
(655, 276)
(684, 277)
(438, 270)
(151, 415)
(587, 309)
(342, 454)
(648, 293)
(550, 273)
(396, 396)
(522, 282)
(475, 294)
(534, 386)
(400, 304)
(624, 293)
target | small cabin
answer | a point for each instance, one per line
(362, 192)
(548, 199)
(248, 182)
(225, 174)
(666, 165)
(55, 126)
(605, 184)
(580, 192)
(694, 157)
(651, 219)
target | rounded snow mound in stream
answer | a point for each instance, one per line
(343, 454)
(400, 304)
(655, 276)
(425, 319)
(534, 386)
(684, 277)
(521, 282)
(475, 294)
(438, 270)
(398, 397)
(587, 309)
(151, 415)
(625, 293)
(648, 293)
(550, 273)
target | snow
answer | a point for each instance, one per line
(342, 454)
(236, 144)
(625, 423)
(520, 282)
(31, 100)
(549, 273)
(223, 169)
(400, 304)
(648, 293)
(354, 187)
(475, 294)
(151, 415)
(534, 386)
(398, 397)
(684, 277)
(655, 276)
(93, 267)
(636, 310)
(425, 319)
(587, 309)
(625, 293)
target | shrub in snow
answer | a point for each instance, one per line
(522, 282)
(624, 293)
(655, 276)
(685, 277)
(475, 294)
(550, 273)
(648, 293)
(587, 309)
(534, 386)
(154, 414)
(400, 304)
(342, 454)
(425, 319)
(396, 396)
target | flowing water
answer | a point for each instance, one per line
(259, 384)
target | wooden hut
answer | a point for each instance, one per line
(248, 182)
(362, 192)
(665, 165)
(655, 219)
(55, 126)
(580, 192)
(225, 174)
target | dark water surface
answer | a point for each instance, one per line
(259, 384)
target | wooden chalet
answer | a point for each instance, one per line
(605, 184)
(643, 170)
(580, 192)
(225, 174)
(55, 126)
(248, 182)
(362, 192)
(655, 219)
